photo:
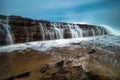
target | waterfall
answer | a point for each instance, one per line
(98, 29)
(47, 31)
(42, 31)
(75, 31)
(93, 32)
(7, 30)
(58, 31)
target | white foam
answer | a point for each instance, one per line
(42, 45)
(50, 44)
(111, 30)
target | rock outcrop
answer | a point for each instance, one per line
(61, 63)
(27, 29)
(30, 64)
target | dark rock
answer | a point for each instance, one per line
(54, 76)
(60, 64)
(109, 46)
(23, 21)
(76, 77)
(2, 37)
(75, 43)
(11, 78)
(3, 17)
(44, 68)
(22, 75)
(78, 67)
(90, 76)
(62, 70)
(92, 51)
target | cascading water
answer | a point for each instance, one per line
(110, 30)
(57, 31)
(4, 25)
(42, 31)
(75, 31)
(45, 31)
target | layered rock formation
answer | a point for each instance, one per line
(27, 30)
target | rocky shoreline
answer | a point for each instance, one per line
(79, 61)
(40, 66)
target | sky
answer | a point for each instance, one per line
(100, 12)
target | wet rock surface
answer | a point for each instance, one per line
(61, 63)
(5, 68)
(65, 72)
(22, 65)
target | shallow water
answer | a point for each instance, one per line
(102, 41)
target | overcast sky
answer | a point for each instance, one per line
(105, 12)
